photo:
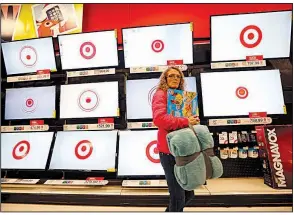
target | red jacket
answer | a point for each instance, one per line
(164, 121)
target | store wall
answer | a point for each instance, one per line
(116, 16)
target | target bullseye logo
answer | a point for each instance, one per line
(21, 150)
(88, 100)
(157, 46)
(88, 50)
(242, 92)
(151, 94)
(83, 149)
(152, 152)
(28, 56)
(29, 105)
(250, 36)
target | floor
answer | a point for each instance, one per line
(22, 207)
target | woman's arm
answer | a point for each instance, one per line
(160, 117)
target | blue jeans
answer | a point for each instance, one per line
(179, 197)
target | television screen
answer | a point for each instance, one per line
(140, 94)
(88, 50)
(28, 56)
(30, 103)
(155, 45)
(84, 150)
(242, 92)
(25, 150)
(234, 37)
(89, 100)
(138, 154)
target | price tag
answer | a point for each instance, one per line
(28, 78)
(8, 180)
(239, 121)
(238, 64)
(77, 182)
(140, 125)
(22, 128)
(155, 69)
(144, 183)
(26, 181)
(254, 58)
(43, 71)
(36, 122)
(174, 62)
(257, 114)
(100, 126)
(91, 72)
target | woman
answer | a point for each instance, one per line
(172, 78)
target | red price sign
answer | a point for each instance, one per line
(254, 58)
(257, 114)
(36, 122)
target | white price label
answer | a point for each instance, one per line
(140, 125)
(144, 183)
(8, 180)
(28, 78)
(155, 69)
(77, 182)
(240, 121)
(23, 128)
(26, 181)
(238, 64)
(91, 72)
(78, 127)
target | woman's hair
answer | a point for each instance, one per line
(163, 80)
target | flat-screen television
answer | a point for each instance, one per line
(88, 50)
(28, 56)
(242, 92)
(84, 150)
(140, 93)
(155, 45)
(234, 37)
(138, 154)
(25, 150)
(89, 100)
(30, 103)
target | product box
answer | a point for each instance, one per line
(223, 138)
(275, 148)
(233, 137)
(182, 103)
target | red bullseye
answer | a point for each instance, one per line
(28, 56)
(83, 149)
(248, 34)
(30, 103)
(88, 50)
(155, 151)
(88, 100)
(242, 92)
(21, 150)
(157, 45)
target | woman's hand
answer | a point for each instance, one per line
(193, 120)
